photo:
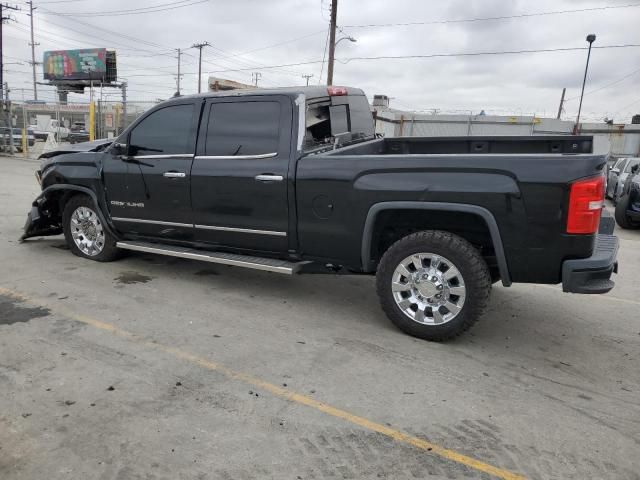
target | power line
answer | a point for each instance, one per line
(277, 44)
(627, 106)
(440, 55)
(59, 1)
(126, 11)
(135, 11)
(607, 85)
(501, 17)
(324, 55)
(95, 27)
(475, 54)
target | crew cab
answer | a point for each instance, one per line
(295, 180)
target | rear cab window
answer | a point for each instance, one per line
(346, 118)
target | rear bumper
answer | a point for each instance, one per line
(593, 274)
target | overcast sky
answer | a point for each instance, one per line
(240, 30)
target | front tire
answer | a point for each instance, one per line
(433, 285)
(84, 232)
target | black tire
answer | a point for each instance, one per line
(109, 251)
(622, 219)
(468, 261)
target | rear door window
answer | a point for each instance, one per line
(236, 129)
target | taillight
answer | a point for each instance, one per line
(336, 91)
(586, 200)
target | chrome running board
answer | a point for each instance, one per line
(257, 263)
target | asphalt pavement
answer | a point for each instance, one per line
(159, 368)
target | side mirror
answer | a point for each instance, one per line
(118, 149)
(615, 170)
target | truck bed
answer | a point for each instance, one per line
(472, 145)
(527, 193)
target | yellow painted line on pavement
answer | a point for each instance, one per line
(278, 391)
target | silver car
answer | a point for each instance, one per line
(612, 176)
(622, 177)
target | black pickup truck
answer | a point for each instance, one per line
(295, 180)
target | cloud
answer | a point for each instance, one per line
(515, 83)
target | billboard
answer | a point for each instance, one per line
(83, 64)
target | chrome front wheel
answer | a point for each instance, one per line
(87, 231)
(428, 288)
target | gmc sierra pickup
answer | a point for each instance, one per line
(295, 180)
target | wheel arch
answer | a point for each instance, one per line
(62, 193)
(368, 262)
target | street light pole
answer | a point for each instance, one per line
(590, 38)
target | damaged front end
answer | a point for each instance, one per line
(44, 218)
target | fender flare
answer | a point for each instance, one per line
(486, 215)
(86, 191)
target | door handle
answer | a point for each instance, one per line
(174, 174)
(269, 178)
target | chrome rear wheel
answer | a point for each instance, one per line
(428, 288)
(433, 284)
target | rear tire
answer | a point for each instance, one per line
(84, 232)
(622, 219)
(433, 285)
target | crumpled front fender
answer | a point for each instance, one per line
(40, 222)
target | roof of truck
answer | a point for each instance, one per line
(309, 92)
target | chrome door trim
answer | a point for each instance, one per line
(236, 157)
(269, 178)
(241, 230)
(154, 222)
(160, 157)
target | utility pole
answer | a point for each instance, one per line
(7, 106)
(307, 77)
(332, 41)
(564, 90)
(255, 76)
(33, 51)
(178, 79)
(200, 46)
(2, 19)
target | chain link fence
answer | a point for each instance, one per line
(26, 127)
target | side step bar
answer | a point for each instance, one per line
(257, 263)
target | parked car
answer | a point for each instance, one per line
(77, 127)
(78, 136)
(295, 180)
(627, 212)
(613, 174)
(46, 125)
(17, 138)
(38, 133)
(622, 177)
